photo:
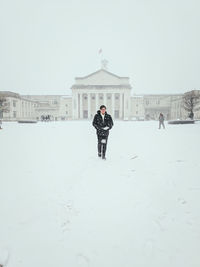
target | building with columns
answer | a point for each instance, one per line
(91, 91)
(101, 87)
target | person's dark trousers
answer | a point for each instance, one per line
(102, 145)
(161, 123)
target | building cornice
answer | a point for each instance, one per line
(82, 86)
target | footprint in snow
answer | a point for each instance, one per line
(134, 157)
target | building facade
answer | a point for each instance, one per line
(91, 91)
(58, 107)
(18, 107)
(101, 87)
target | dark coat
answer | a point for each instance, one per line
(99, 124)
(161, 118)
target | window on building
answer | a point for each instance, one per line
(14, 114)
(7, 104)
(93, 97)
(66, 105)
(14, 103)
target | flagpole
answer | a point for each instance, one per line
(100, 57)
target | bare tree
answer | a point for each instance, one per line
(191, 102)
(3, 106)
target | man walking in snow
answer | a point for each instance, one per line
(161, 121)
(102, 122)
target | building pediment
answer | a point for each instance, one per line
(101, 78)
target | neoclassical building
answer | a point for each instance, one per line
(101, 87)
(91, 91)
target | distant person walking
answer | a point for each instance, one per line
(161, 121)
(191, 115)
(102, 122)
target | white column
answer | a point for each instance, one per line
(125, 106)
(97, 101)
(75, 105)
(81, 105)
(104, 98)
(89, 105)
(113, 105)
(121, 106)
(127, 98)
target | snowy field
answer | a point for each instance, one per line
(62, 206)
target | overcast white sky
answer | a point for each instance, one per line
(44, 44)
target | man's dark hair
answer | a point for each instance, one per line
(102, 106)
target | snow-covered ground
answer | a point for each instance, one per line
(62, 206)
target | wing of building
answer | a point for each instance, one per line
(17, 107)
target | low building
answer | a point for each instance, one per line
(137, 108)
(178, 110)
(18, 107)
(65, 110)
(156, 104)
(58, 107)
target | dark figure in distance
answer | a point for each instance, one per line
(161, 121)
(191, 115)
(102, 122)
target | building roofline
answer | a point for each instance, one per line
(87, 76)
(44, 95)
(162, 94)
(10, 94)
(82, 86)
